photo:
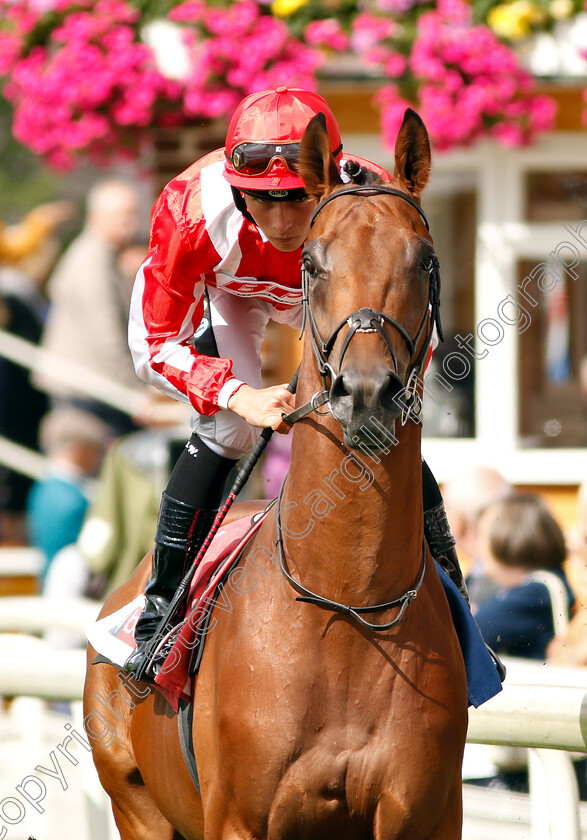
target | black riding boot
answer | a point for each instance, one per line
(181, 530)
(442, 544)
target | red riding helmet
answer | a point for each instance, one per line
(262, 142)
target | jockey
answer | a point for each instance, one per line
(224, 258)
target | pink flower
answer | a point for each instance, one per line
(240, 50)
(82, 82)
(393, 107)
(9, 52)
(395, 7)
(93, 83)
(326, 33)
(191, 11)
(368, 30)
(469, 85)
(395, 65)
(509, 134)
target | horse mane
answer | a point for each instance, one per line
(361, 175)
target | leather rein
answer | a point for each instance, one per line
(363, 320)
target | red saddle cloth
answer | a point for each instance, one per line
(173, 679)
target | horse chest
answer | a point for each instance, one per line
(337, 791)
(327, 741)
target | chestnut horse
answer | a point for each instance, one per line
(331, 702)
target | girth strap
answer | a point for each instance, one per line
(185, 717)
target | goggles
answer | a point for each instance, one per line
(256, 158)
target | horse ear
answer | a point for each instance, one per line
(316, 166)
(412, 154)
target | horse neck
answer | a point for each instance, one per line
(353, 523)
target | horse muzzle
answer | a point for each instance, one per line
(363, 403)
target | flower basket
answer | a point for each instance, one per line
(94, 79)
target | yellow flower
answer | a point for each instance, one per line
(561, 9)
(514, 21)
(285, 8)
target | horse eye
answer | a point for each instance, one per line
(426, 263)
(309, 267)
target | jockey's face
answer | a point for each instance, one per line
(285, 223)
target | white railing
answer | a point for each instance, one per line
(543, 707)
(32, 667)
(21, 561)
(71, 373)
(540, 706)
(34, 358)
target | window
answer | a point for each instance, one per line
(552, 355)
(555, 196)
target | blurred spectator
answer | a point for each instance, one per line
(27, 254)
(524, 555)
(275, 464)
(448, 411)
(118, 529)
(18, 241)
(466, 494)
(89, 296)
(577, 546)
(129, 260)
(74, 443)
(570, 647)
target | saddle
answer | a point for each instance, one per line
(181, 652)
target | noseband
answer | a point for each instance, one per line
(367, 320)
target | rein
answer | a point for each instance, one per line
(364, 320)
(309, 597)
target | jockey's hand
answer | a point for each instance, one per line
(263, 407)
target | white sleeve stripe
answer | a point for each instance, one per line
(227, 391)
(176, 356)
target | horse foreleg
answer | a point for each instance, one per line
(136, 815)
(390, 821)
(107, 708)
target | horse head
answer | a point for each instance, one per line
(370, 277)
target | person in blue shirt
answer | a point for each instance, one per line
(74, 442)
(524, 554)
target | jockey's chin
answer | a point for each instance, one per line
(287, 243)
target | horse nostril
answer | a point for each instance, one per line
(350, 395)
(339, 388)
(341, 398)
(393, 394)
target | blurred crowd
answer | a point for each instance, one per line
(69, 298)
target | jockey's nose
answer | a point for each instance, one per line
(283, 216)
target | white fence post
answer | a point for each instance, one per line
(555, 795)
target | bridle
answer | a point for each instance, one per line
(367, 320)
(364, 320)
